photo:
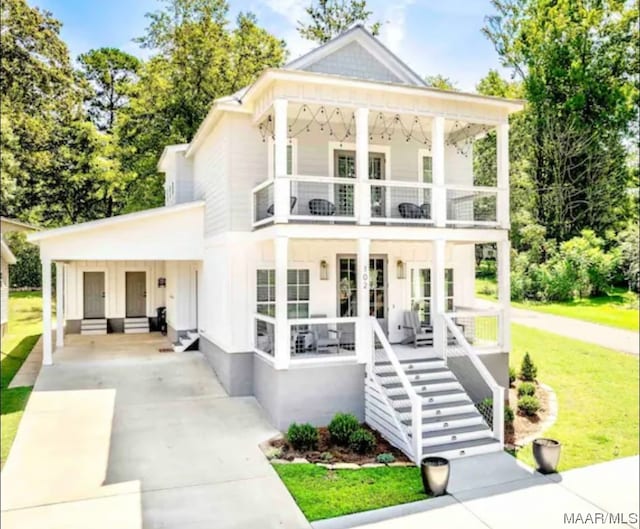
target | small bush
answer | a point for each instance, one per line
(528, 405)
(385, 458)
(512, 376)
(341, 427)
(302, 436)
(362, 441)
(528, 370)
(527, 389)
(509, 416)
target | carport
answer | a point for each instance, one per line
(111, 270)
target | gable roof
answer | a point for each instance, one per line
(369, 58)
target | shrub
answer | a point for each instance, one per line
(528, 370)
(341, 427)
(509, 416)
(512, 376)
(526, 389)
(302, 436)
(385, 458)
(362, 441)
(528, 405)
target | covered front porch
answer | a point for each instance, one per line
(315, 299)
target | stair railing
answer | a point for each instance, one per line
(388, 354)
(498, 392)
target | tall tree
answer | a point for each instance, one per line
(440, 81)
(329, 18)
(197, 58)
(578, 61)
(111, 74)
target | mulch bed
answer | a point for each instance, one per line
(524, 426)
(339, 454)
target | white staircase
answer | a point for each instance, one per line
(185, 341)
(421, 408)
(93, 326)
(136, 325)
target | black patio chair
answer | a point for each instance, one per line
(292, 201)
(320, 206)
(426, 210)
(409, 211)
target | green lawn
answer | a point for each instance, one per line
(25, 326)
(597, 391)
(322, 493)
(618, 309)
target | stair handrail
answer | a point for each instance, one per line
(498, 392)
(414, 398)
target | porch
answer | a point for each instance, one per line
(314, 300)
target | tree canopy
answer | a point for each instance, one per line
(329, 18)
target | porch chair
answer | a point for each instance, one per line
(409, 211)
(421, 334)
(323, 337)
(292, 204)
(320, 206)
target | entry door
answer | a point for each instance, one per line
(93, 295)
(348, 292)
(345, 167)
(136, 285)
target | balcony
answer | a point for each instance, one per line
(320, 199)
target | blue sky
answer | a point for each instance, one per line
(432, 36)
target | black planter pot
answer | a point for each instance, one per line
(546, 452)
(435, 475)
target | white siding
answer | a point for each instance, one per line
(115, 293)
(211, 175)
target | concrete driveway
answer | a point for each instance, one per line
(119, 435)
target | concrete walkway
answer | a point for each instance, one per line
(29, 370)
(608, 493)
(603, 335)
(119, 435)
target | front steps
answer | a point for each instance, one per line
(184, 342)
(136, 325)
(93, 326)
(452, 427)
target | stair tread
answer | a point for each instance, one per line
(446, 418)
(417, 383)
(441, 393)
(442, 405)
(414, 372)
(460, 445)
(455, 431)
(410, 361)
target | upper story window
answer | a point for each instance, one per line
(425, 166)
(292, 157)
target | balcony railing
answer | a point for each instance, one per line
(320, 199)
(480, 327)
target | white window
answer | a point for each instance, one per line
(297, 293)
(425, 166)
(266, 292)
(292, 157)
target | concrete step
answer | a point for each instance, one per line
(136, 330)
(463, 449)
(93, 331)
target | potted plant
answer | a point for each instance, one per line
(546, 452)
(435, 475)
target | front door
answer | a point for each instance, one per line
(136, 294)
(348, 291)
(93, 295)
(345, 167)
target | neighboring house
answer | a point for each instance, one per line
(7, 258)
(314, 218)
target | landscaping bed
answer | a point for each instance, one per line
(525, 427)
(329, 452)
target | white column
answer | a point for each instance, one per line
(47, 357)
(504, 292)
(502, 147)
(363, 193)
(439, 196)
(281, 185)
(438, 307)
(363, 343)
(59, 305)
(282, 339)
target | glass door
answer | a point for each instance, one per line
(344, 167)
(348, 290)
(378, 193)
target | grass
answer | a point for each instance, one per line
(322, 493)
(597, 391)
(25, 320)
(618, 309)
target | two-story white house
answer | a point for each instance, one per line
(317, 245)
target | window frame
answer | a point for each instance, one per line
(422, 154)
(271, 159)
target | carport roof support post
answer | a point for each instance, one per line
(47, 357)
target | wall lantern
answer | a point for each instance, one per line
(324, 270)
(162, 282)
(400, 270)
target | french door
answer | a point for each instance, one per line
(348, 290)
(345, 167)
(421, 292)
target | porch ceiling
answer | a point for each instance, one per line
(169, 233)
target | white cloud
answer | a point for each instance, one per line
(393, 29)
